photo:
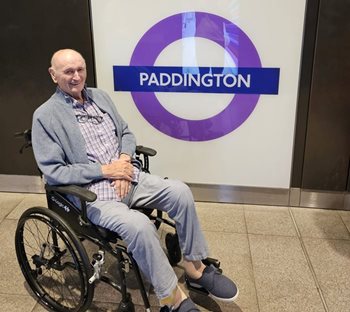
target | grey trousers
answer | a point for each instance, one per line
(140, 234)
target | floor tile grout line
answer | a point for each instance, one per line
(342, 220)
(6, 216)
(36, 305)
(251, 259)
(308, 260)
(14, 208)
(16, 295)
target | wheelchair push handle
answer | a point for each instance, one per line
(27, 136)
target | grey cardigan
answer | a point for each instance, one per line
(59, 147)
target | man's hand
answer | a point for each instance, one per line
(120, 169)
(125, 157)
(122, 187)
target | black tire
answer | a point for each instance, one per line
(53, 261)
(173, 248)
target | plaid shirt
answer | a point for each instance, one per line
(101, 142)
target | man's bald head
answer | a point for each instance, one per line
(68, 70)
(64, 55)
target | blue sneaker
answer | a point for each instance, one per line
(215, 284)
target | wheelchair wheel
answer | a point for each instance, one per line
(173, 248)
(53, 261)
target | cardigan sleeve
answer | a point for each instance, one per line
(51, 157)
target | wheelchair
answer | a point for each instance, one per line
(50, 248)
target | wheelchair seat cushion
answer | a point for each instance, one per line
(107, 234)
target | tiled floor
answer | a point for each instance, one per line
(282, 258)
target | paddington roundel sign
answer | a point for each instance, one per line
(246, 82)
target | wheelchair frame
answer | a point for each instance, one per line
(50, 251)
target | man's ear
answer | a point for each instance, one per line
(52, 74)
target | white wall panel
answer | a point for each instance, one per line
(258, 152)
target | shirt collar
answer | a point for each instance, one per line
(70, 100)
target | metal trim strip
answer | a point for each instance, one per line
(21, 184)
(218, 193)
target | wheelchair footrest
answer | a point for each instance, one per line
(211, 261)
(196, 288)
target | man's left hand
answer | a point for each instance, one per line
(122, 187)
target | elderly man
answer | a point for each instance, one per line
(79, 138)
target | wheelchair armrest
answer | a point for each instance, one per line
(75, 190)
(145, 151)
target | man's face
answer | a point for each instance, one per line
(69, 72)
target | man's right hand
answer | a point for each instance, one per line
(118, 169)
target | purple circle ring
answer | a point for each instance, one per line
(208, 26)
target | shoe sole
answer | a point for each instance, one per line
(225, 299)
